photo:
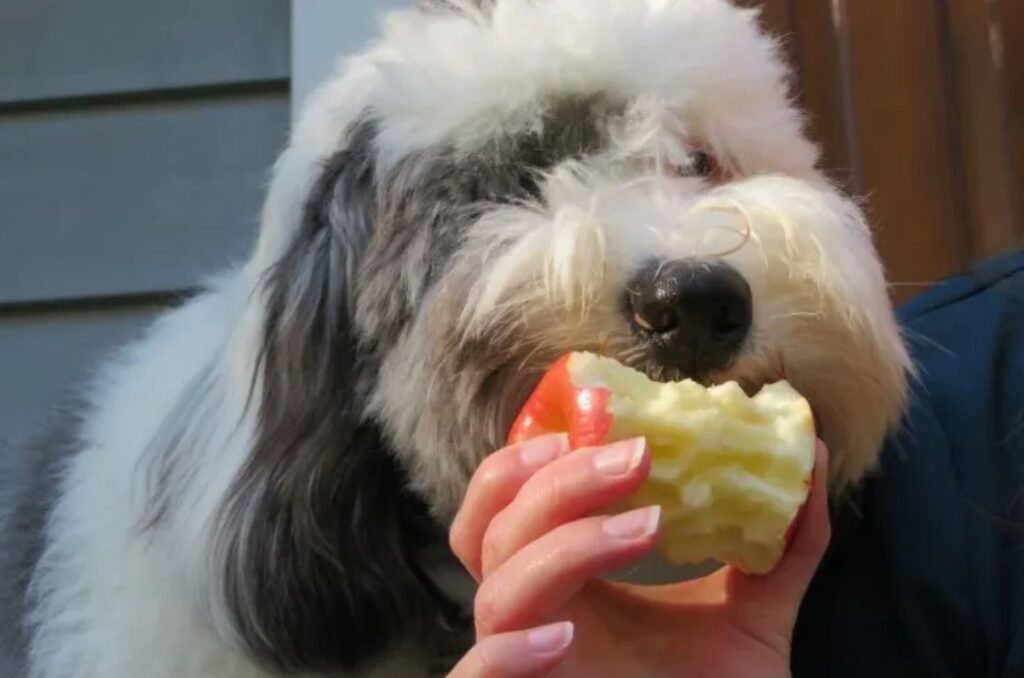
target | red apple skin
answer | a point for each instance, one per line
(558, 406)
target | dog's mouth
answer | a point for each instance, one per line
(752, 385)
(747, 376)
(661, 373)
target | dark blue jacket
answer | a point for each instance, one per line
(925, 575)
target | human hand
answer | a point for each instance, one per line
(526, 532)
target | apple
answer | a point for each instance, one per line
(730, 472)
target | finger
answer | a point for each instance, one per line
(780, 592)
(541, 578)
(566, 489)
(516, 654)
(493, 486)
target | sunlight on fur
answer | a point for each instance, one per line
(262, 483)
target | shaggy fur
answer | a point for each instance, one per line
(260, 485)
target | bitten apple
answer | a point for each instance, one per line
(731, 472)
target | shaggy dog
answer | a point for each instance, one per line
(260, 485)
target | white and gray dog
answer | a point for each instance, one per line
(260, 485)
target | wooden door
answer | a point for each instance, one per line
(919, 107)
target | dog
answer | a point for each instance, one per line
(260, 485)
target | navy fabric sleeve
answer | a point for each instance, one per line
(925, 574)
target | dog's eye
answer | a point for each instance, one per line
(702, 164)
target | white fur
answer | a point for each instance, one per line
(111, 602)
(820, 302)
(116, 604)
(702, 61)
(822, 318)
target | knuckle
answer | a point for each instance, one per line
(485, 608)
(491, 545)
(549, 488)
(487, 666)
(566, 551)
(457, 539)
(574, 547)
(554, 487)
(491, 474)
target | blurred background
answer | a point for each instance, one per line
(136, 138)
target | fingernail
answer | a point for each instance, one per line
(550, 638)
(543, 449)
(621, 457)
(633, 524)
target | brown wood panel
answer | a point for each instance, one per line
(806, 31)
(903, 129)
(775, 15)
(777, 19)
(919, 108)
(977, 88)
(819, 58)
(1009, 50)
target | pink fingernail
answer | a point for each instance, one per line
(620, 458)
(635, 524)
(540, 451)
(530, 652)
(550, 638)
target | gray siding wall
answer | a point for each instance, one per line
(323, 31)
(135, 141)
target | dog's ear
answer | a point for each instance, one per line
(320, 537)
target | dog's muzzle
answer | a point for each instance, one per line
(693, 313)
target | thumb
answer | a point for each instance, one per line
(773, 600)
(517, 654)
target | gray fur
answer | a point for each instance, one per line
(321, 544)
(454, 5)
(323, 541)
(166, 465)
(426, 203)
(29, 483)
(373, 399)
(445, 399)
(329, 551)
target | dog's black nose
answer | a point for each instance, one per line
(696, 313)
